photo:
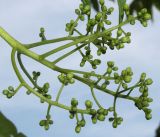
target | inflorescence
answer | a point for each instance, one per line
(99, 33)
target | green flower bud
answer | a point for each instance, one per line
(97, 61)
(148, 116)
(69, 76)
(108, 22)
(109, 70)
(110, 64)
(119, 32)
(46, 86)
(82, 123)
(93, 112)
(71, 116)
(88, 104)
(82, 64)
(92, 22)
(144, 23)
(101, 2)
(127, 79)
(126, 7)
(101, 24)
(42, 30)
(99, 52)
(81, 17)
(103, 86)
(124, 85)
(74, 102)
(9, 95)
(141, 89)
(104, 9)
(46, 127)
(114, 124)
(72, 81)
(115, 68)
(94, 120)
(77, 11)
(148, 81)
(105, 112)
(101, 117)
(117, 81)
(81, 6)
(98, 16)
(5, 92)
(143, 11)
(78, 129)
(42, 122)
(128, 34)
(149, 99)
(10, 88)
(143, 76)
(124, 39)
(147, 16)
(110, 10)
(145, 103)
(100, 111)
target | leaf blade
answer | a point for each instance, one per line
(121, 11)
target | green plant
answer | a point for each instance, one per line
(100, 35)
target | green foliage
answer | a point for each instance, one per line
(7, 128)
(99, 33)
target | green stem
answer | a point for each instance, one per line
(17, 89)
(115, 99)
(95, 99)
(26, 72)
(48, 111)
(59, 92)
(33, 45)
(67, 54)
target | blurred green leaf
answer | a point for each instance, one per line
(158, 132)
(7, 128)
(95, 4)
(121, 11)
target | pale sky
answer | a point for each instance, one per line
(22, 19)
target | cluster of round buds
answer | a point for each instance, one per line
(100, 19)
(110, 68)
(143, 17)
(116, 121)
(35, 75)
(41, 34)
(118, 42)
(66, 78)
(125, 77)
(143, 101)
(79, 125)
(88, 57)
(101, 50)
(70, 27)
(84, 9)
(74, 104)
(99, 114)
(46, 122)
(9, 92)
